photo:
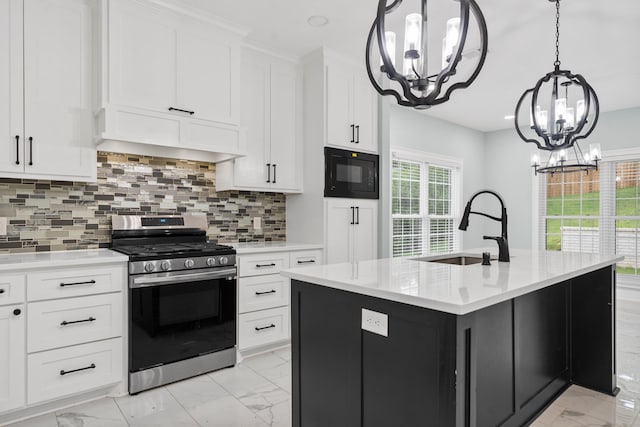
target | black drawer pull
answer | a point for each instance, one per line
(65, 323)
(265, 327)
(63, 372)
(90, 282)
(265, 265)
(191, 113)
(307, 261)
(272, 291)
(17, 312)
(1, 291)
(17, 149)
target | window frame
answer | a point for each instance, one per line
(426, 159)
(607, 215)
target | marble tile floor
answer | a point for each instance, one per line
(257, 393)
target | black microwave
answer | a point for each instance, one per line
(350, 174)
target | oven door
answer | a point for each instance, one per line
(350, 174)
(179, 315)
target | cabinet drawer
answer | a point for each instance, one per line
(260, 292)
(263, 327)
(66, 371)
(302, 258)
(73, 282)
(260, 264)
(60, 323)
(12, 289)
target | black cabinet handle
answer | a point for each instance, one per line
(272, 291)
(63, 372)
(17, 149)
(358, 134)
(191, 113)
(268, 172)
(265, 327)
(17, 312)
(353, 221)
(65, 323)
(265, 265)
(90, 282)
(307, 261)
(30, 151)
(357, 215)
(274, 173)
(1, 291)
(353, 133)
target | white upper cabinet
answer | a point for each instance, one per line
(47, 88)
(351, 107)
(270, 107)
(168, 80)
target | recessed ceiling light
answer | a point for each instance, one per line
(509, 117)
(318, 21)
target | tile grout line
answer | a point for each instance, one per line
(182, 406)
(120, 409)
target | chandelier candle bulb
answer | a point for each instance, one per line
(390, 38)
(571, 118)
(535, 159)
(594, 150)
(580, 110)
(412, 35)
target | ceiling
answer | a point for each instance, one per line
(598, 40)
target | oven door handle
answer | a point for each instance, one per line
(145, 282)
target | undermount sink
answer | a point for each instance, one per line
(455, 260)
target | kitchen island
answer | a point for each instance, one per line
(406, 343)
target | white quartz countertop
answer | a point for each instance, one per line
(59, 259)
(263, 247)
(452, 288)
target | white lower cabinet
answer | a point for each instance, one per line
(352, 230)
(264, 296)
(12, 357)
(71, 370)
(61, 334)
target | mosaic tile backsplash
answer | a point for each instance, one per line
(58, 215)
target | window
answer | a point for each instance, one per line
(424, 205)
(595, 212)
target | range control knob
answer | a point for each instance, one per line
(189, 263)
(165, 265)
(149, 267)
(211, 262)
(224, 260)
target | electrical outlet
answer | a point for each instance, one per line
(3, 226)
(375, 322)
(257, 223)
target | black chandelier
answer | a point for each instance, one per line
(568, 160)
(560, 125)
(424, 82)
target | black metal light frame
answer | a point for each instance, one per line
(568, 137)
(407, 97)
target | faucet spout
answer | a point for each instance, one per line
(502, 240)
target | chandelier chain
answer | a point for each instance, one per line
(557, 63)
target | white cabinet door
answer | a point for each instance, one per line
(59, 87)
(364, 112)
(340, 217)
(366, 230)
(251, 171)
(11, 134)
(142, 57)
(284, 150)
(206, 81)
(340, 124)
(12, 357)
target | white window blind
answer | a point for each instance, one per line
(425, 207)
(597, 212)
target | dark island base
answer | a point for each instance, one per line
(499, 366)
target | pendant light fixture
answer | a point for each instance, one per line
(554, 115)
(429, 68)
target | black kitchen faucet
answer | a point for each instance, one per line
(503, 243)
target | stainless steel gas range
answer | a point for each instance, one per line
(182, 299)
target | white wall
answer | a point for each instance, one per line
(417, 131)
(508, 171)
